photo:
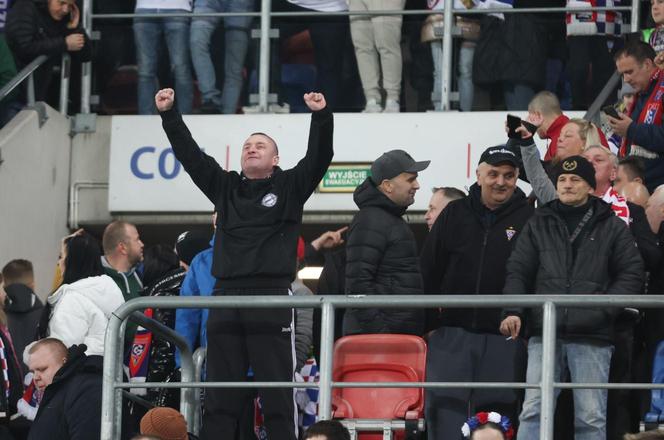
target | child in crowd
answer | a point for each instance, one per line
(488, 426)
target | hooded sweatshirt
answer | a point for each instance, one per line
(81, 311)
(23, 309)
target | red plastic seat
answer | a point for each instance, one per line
(379, 358)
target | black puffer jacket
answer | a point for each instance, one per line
(23, 309)
(31, 31)
(465, 254)
(381, 259)
(71, 406)
(161, 366)
(607, 262)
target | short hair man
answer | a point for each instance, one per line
(50, 27)
(381, 252)
(71, 382)
(327, 430)
(630, 169)
(636, 193)
(254, 254)
(572, 245)
(642, 129)
(465, 253)
(22, 306)
(123, 250)
(545, 112)
(440, 198)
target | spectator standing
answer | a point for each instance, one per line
(148, 35)
(381, 252)
(465, 253)
(377, 41)
(558, 252)
(440, 198)
(46, 27)
(22, 306)
(641, 127)
(123, 251)
(470, 32)
(82, 305)
(254, 254)
(590, 39)
(236, 44)
(655, 36)
(71, 382)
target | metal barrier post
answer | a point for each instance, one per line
(108, 394)
(634, 19)
(326, 367)
(548, 370)
(446, 67)
(86, 68)
(264, 60)
(31, 89)
(199, 360)
(65, 68)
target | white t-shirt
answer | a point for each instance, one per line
(164, 4)
(322, 5)
(440, 4)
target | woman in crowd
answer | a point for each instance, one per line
(488, 426)
(80, 308)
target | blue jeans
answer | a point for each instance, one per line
(587, 362)
(147, 34)
(464, 78)
(236, 45)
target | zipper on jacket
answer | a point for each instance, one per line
(479, 274)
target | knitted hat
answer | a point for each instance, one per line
(626, 89)
(578, 165)
(165, 423)
(190, 243)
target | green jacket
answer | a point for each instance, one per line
(130, 285)
(7, 66)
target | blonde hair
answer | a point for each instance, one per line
(588, 132)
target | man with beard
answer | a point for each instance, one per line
(465, 253)
(381, 252)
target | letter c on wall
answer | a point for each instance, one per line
(134, 162)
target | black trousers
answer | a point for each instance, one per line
(457, 355)
(238, 339)
(589, 60)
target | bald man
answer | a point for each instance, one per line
(636, 192)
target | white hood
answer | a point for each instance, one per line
(101, 290)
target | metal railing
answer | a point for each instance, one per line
(113, 383)
(265, 15)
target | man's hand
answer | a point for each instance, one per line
(523, 131)
(75, 42)
(315, 101)
(511, 326)
(621, 125)
(329, 239)
(164, 99)
(75, 16)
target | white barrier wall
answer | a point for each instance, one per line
(145, 177)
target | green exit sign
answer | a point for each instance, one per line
(344, 178)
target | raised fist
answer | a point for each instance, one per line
(315, 101)
(164, 99)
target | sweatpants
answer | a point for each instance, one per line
(238, 339)
(457, 355)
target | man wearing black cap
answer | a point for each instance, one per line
(572, 245)
(381, 252)
(464, 254)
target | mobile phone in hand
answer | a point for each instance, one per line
(532, 128)
(513, 122)
(611, 111)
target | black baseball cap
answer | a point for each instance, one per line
(393, 163)
(499, 154)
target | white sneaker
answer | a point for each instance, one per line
(392, 106)
(372, 107)
(277, 108)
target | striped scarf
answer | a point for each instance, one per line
(4, 364)
(618, 204)
(594, 22)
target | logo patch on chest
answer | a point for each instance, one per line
(269, 200)
(510, 232)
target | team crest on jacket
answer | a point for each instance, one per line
(269, 200)
(510, 232)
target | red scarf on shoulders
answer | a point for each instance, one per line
(652, 111)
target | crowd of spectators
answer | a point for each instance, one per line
(360, 62)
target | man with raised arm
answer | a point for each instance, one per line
(261, 213)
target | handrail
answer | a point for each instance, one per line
(111, 414)
(25, 73)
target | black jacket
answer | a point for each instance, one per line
(15, 376)
(607, 262)
(259, 239)
(31, 31)
(465, 254)
(161, 366)
(381, 259)
(23, 309)
(71, 406)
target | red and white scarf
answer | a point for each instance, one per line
(651, 113)
(618, 204)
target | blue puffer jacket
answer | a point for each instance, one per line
(192, 323)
